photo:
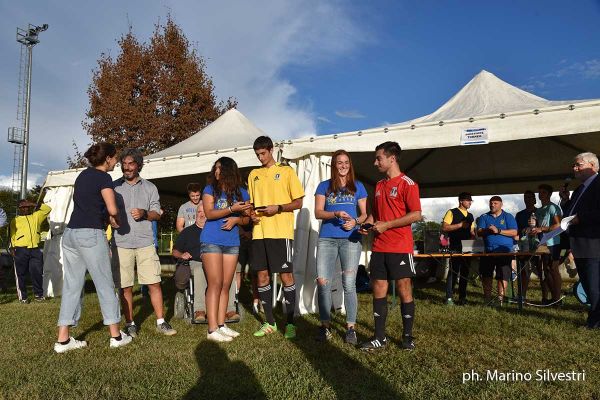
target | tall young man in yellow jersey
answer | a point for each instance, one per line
(276, 192)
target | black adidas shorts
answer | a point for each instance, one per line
(274, 255)
(391, 266)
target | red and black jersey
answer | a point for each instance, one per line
(394, 198)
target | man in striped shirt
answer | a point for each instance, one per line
(396, 206)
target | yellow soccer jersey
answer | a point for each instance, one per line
(274, 186)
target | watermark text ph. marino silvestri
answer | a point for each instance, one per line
(539, 375)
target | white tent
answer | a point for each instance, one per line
(531, 140)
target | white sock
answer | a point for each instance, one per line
(129, 323)
(160, 321)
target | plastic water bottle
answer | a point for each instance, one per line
(525, 243)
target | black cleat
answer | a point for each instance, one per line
(408, 343)
(374, 344)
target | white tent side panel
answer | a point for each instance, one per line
(311, 170)
(60, 199)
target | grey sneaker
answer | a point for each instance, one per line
(125, 340)
(351, 336)
(131, 330)
(72, 345)
(165, 329)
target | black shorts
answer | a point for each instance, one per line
(391, 266)
(501, 265)
(274, 255)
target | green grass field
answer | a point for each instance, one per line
(450, 341)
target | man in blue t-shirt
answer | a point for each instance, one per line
(498, 228)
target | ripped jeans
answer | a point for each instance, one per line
(328, 251)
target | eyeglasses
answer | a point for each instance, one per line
(580, 164)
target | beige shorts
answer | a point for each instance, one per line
(148, 266)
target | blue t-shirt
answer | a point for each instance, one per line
(212, 232)
(495, 243)
(340, 201)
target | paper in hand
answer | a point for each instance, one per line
(564, 225)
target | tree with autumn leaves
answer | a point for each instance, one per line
(152, 95)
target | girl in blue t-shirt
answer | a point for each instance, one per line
(336, 201)
(225, 203)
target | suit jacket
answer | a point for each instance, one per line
(585, 236)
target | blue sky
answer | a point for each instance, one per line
(304, 67)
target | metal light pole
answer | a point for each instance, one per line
(28, 38)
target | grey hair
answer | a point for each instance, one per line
(134, 153)
(589, 157)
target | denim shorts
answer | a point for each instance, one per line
(219, 249)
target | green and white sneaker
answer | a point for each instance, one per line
(290, 331)
(266, 329)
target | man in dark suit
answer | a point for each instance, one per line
(584, 231)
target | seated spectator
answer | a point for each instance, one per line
(187, 251)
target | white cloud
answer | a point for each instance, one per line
(323, 119)
(589, 69)
(33, 179)
(246, 47)
(350, 114)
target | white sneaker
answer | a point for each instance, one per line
(217, 336)
(125, 340)
(227, 331)
(72, 345)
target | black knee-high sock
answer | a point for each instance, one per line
(265, 293)
(380, 310)
(408, 317)
(289, 295)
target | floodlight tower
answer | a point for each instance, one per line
(20, 135)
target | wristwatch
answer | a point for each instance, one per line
(279, 208)
(357, 222)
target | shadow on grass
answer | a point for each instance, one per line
(347, 377)
(222, 378)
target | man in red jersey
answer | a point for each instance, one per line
(396, 206)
